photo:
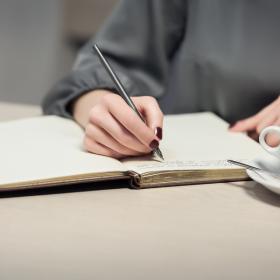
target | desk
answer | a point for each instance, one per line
(218, 231)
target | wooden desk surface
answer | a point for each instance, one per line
(218, 231)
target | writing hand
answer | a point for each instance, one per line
(113, 129)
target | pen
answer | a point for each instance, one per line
(121, 89)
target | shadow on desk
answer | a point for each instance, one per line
(260, 193)
(254, 190)
(84, 187)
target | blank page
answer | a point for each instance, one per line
(46, 147)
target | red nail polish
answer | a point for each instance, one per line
(158, 132)
(154, 144)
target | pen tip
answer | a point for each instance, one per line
(159, 153)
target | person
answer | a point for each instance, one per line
(174, 56)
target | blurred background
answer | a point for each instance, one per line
(39, 40)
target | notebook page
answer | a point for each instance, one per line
(46, 147)
(197, 141)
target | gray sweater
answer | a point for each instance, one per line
(198, 55)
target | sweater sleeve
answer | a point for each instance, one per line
(139, 40)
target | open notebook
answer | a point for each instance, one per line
(47, 151)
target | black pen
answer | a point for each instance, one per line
(121, 89)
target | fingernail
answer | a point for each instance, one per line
(154, 144)
(158, 132)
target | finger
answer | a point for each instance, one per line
(149, 108)
(97, 148)
(267, 121)
(103, 119)
(248, 124)
(273, 139)
(251, 123)
(131, 121)
(266, 110)
(101, 136)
